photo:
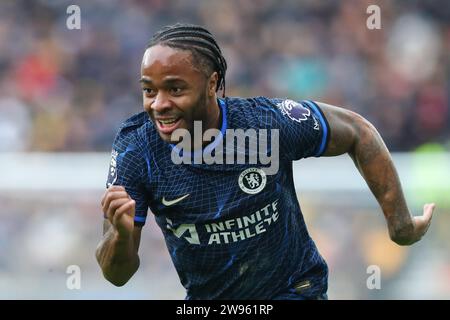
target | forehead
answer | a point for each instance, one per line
(161, 61)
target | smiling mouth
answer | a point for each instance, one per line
(167, 126)
(167, 122)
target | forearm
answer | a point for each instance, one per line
(373, 160)
(117, 257)
(352, 134)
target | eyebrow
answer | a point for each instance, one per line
(168, 80)
(143, 80)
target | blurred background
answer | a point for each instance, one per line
(64, 93)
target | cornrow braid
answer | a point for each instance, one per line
(199, 41)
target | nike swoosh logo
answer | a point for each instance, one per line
(168, 203)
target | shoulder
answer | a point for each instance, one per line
(262, 104)
(132, 132)
(253, 103)
(128, 151)
(134, 123)
(133, 126)
(266, 112)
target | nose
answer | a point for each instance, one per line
(161, 103)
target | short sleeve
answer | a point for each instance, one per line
(128, 168)
(304, 130)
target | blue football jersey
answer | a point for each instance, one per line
(233, 231)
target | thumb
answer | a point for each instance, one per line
(127, 208)
(428, 211)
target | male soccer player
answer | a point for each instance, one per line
(233, 230)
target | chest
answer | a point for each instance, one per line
(197, 195)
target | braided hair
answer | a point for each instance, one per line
(200, 42)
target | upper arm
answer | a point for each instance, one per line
(345, 129)
(304, 131)
(107, 227)
(129, 168)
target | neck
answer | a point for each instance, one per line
(213, 120)
(213, 117)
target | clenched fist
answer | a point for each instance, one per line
(119, 208)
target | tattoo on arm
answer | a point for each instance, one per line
(373, 160)
(352, 134)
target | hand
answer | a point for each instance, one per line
(119, 208)
(422, 223)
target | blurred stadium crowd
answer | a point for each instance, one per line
(69, 90)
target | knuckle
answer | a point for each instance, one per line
(109, 196)
(115, 203)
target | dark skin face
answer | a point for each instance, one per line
(176, 92)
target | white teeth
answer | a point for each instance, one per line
(168, 121)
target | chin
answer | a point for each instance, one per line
(166, 137)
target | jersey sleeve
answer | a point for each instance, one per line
(128, 168)
(304, 130)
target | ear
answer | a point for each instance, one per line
(212, 84)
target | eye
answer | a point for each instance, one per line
(176, 91)
(149, 91)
